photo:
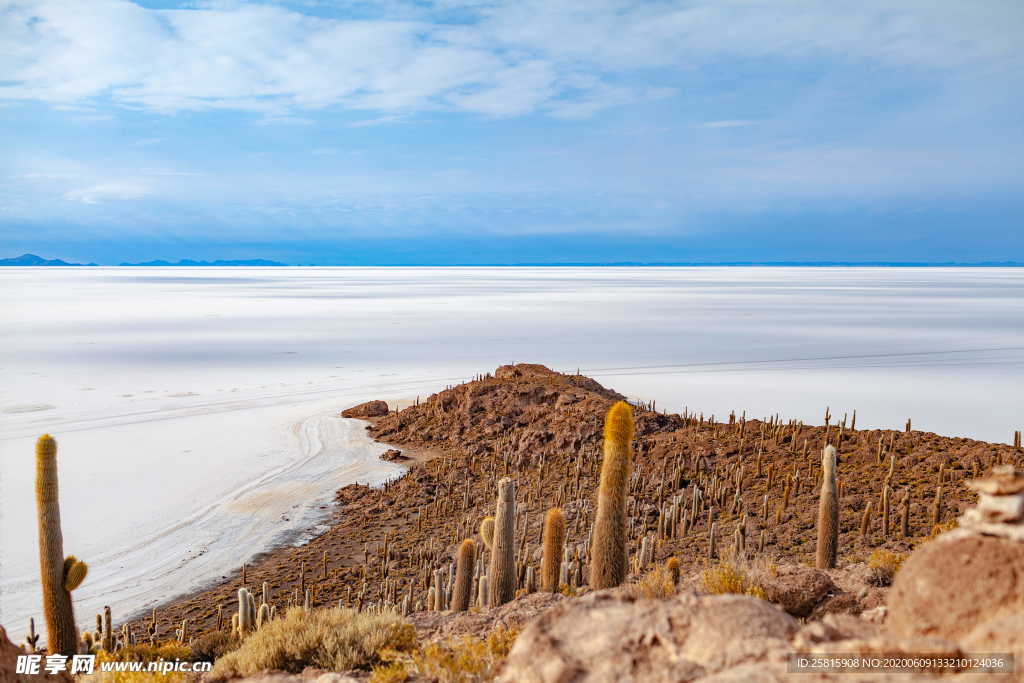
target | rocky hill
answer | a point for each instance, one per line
(543, 429)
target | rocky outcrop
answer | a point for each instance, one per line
(611, 636)
(394, 455)
(9, 653)
(366, 410)
(971, 575)
(447, 625)
(798, 590)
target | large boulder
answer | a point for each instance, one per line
(611, 636)
(798, 590)
(365, 410)
(951, 585)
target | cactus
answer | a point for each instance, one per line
(482, 591)
(554, 541)
(828, 512)
(245, 615)
(465, 564)
(673, 570)
(865, 520)
(885, 510)
(59, 575)
(107, 641)
(609, 562)
(263, 616)
(905, 515)
(502, 571)
(32, 639)
(487, 531)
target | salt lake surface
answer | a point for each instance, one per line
(195, 409)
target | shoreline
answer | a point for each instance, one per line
(189, 600)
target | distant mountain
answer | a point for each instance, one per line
(190, 262)
(33, 260)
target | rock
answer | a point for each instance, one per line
(446, 625)
(611, 636)
(1002, 634)
(394, 455)
(798, 590)
(954, 583)
(9, 653)
(365, 410)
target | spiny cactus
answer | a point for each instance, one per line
(32, 639)
(554, 542)
(673, 570)
(885, 510)
(865, 520)
(262, 616)
(59, 575)
(502, 572)
(464, 565)
(609, 560)
(487, 531)
(107, 641)
(905, 515)
(828, 512)
(246, 618)
(483, 592)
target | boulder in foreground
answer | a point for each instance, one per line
(607, 636)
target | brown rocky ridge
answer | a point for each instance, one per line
(758, 483)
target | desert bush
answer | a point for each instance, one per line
(463, 660)
(169, 651)
(214, 645)
(883, 565)
(656, 583)
(728, 577)
(144, 652)
(333, 639)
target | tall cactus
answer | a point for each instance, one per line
(828, 511)
(464, 566)
(59, 575)
(502, 573)
(107, 641)
(609, 559)
(553, 540)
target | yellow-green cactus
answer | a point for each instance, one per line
(609, 561)
(59, 575)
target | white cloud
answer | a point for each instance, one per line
(510, 58)
(109, 191)
(728, 123)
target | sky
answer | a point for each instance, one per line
(499, 131)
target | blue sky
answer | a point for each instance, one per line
(485, 131)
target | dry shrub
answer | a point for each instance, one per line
(333, 639)
(729, 577)
(463, 660)
(169, 651)
(656, 583)
(144, 652)
(883, 565)
(214, 645)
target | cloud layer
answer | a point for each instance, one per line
(567, 59)
(879, 124)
